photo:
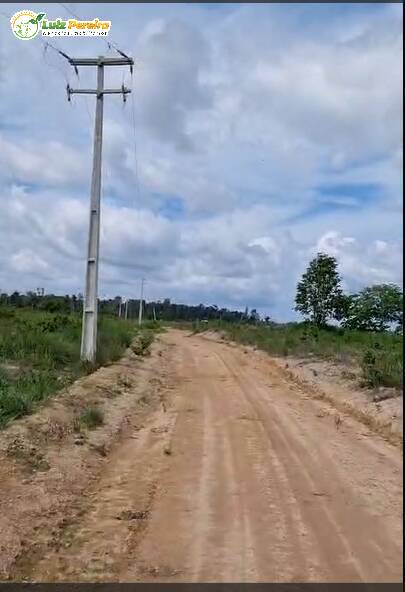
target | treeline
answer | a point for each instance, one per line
(319, 298)
(164, 310)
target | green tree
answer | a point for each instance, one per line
(376, 308)
(319, 295)
(254, 316)
(343, 305)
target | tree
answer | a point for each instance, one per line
(376, 308)
(319, 295)
(343, 305)
(15, 299)
(254, 316)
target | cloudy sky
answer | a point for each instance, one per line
(262, 134)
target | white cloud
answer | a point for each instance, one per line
(244, 114)
(53, 163)
(363, 263)
(26, 261)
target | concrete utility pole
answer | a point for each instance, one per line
(89, 327)
(141, 303)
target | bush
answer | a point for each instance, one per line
(380, 368)
(142, 343)
(91, 417)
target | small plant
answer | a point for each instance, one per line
(142, 343)
(91, 417)
(371, 375)
(381, 368)
(124, 381)
(28, 454)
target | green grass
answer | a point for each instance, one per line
(40, 354)
(379, 355)
(91, 417)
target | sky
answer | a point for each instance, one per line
(256, 135)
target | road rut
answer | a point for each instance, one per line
(243, 478)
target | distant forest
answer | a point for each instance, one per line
(164, 310)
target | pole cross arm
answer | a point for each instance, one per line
(93, 91)
(101, 61)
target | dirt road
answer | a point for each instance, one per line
(240, 477)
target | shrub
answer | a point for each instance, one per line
(91, 417)
(381, 368)
(142, 343)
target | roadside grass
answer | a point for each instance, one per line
(142, 342)
(40, 354)
(379, 355)
(91, 417)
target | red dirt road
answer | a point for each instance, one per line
(243, 477)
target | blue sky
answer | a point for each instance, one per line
(263, 133)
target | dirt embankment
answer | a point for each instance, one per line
(223, 469)
(339, 384)
(48, 460)
(380, 409)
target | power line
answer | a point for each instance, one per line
(89, 340)
(46, 45)
(137, 183)
(69, 10)
(110, 43)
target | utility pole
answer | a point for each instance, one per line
(141, 303)
(89, 327)
(126, 309)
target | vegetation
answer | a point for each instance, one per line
(375, 308)
(383, 367)
(91, 417)
(319, 293)
(40, 334)
(379, 354)
(40, 354)
(142, 343)
(164, 310)
(320, 297)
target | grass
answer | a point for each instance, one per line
(379, 355)
(142, 343)
(40, 354)
(91, 417)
